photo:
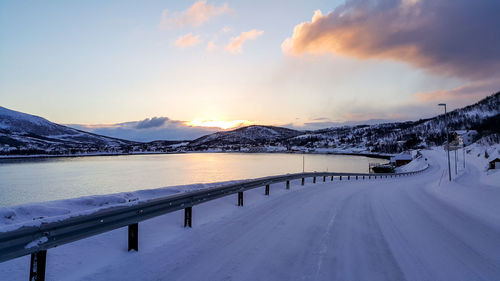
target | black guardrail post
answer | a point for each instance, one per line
(37, 266)
(348, 178)
(267, 190)
(331, 179)
(314, 179)
(324, 178)
(356, 177)
(340, 177)
(133, 237)
(287, 184)
(188, 217)
(240, 198)
(302, 183)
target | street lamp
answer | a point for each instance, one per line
(447, 139)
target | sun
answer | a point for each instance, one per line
(213, 123)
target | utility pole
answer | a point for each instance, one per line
(303, 162)
(463, 151)
(456, 159)
(447, 139)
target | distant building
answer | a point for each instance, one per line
(466, 137)
(401, 159)
(495, 163)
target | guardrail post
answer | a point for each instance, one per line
(314, 179)
(188, 217)
(369, 177)
(363, 177)
(267, 190)
(303, 181)
(324, 178)
(348, 178)
(287, 184)
(356, 177)
(340, 177)
(240, 198)
(133, 237)
(332, 178)
(37, 266)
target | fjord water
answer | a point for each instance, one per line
(45, 179)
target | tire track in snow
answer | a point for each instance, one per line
(327, 236)
(357, 250)
(440, 244)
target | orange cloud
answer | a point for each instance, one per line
(467, 93)
(230, 124)
(236, 43)
(187, 40)
(199, 13)
(211, 46)
(454, 38)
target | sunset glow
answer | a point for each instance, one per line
(219, 123)
(182, 69)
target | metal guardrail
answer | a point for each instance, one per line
(36, 240)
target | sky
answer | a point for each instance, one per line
(191, 67)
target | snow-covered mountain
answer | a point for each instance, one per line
(254, 134)
(483, 116)
(381, 138)
(22, 133)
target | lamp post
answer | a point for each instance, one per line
(303, 162)
(463, 151)
(447, 140)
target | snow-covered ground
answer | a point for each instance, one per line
(419, 227)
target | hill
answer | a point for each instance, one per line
(22, 134)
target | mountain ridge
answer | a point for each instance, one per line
(22, 133)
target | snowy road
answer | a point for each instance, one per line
(413, 228)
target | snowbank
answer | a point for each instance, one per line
(416, 164)
(34, 214)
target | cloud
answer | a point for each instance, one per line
(226, 29)
(458, 38)
(149, 129)
(465, 94)
(236, 43)
(199, 13)
(211, 46)
(187, 40)
(151, 122)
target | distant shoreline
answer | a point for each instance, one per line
(41, 156)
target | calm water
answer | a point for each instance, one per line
(35, 180)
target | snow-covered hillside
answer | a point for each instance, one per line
(247, 135)
(395, 137)
(483, 116)
(22, 133)
(26, 134)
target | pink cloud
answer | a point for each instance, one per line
(211, 46)
(466, 94)
(187, 40)
(455, 38)
(235, 46)
(196, 15)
